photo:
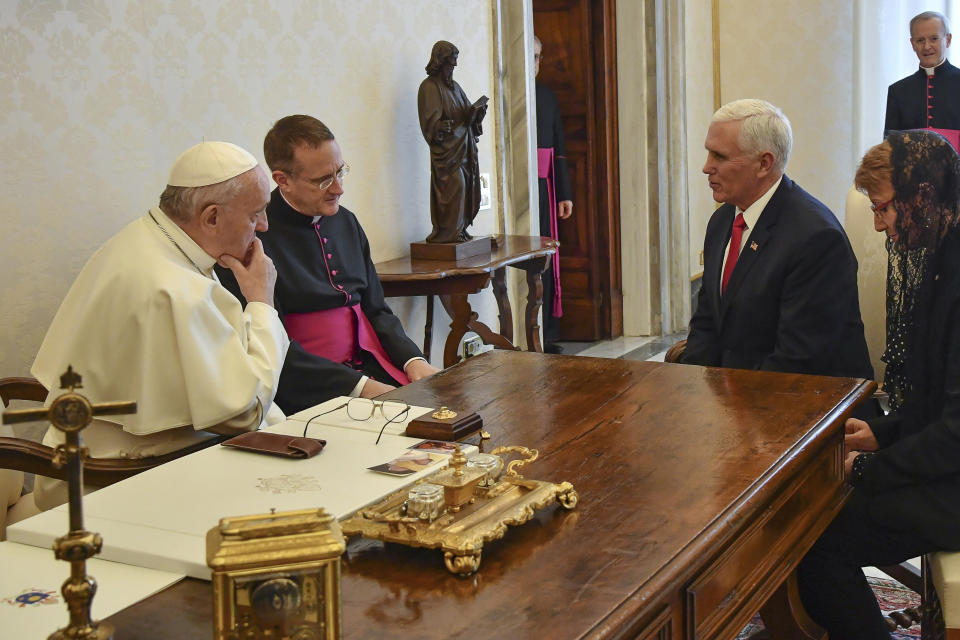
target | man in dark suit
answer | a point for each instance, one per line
(930, 97)
(782, 295)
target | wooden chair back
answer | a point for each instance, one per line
(24, 455)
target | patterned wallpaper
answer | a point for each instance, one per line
(100, 96)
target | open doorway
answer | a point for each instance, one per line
(579, 65)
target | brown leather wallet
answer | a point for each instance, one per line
(276, 444)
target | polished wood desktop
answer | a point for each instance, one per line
(700, 490)
(453, 281)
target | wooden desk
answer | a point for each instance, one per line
(453, 281)
(700, 490)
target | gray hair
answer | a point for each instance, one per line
(929, 15)
(764, 128)
(183, 203)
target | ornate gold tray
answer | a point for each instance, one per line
(460, 532)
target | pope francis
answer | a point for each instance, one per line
(147, 319)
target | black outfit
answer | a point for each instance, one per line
(550, 135)
(909, 107)
(307, 283)
(908, 500)
(791, 303)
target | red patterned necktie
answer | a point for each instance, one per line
(736, 235)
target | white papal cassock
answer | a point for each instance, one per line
(142, 322)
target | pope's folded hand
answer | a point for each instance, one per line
(256, 275)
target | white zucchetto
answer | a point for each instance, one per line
(210, 163)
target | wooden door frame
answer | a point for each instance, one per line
(516, 125)
(672, 183)
(653, 198)
(515, 147)
(607, 140)
(648, 242)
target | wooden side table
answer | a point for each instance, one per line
(454, 281)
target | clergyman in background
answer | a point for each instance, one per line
(556, 196)
(930, 97)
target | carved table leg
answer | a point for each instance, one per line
(784, 616)
(534, 268)
(465, 319)
(428, 329)
(932, 626)
(459, 310)
(499, 286)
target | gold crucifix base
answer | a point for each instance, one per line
(78, 590)
(95, 631)
(71, 413)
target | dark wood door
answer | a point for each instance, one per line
(579, 64)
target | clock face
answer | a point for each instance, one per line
(70, 412)
(291, 602)
(273, 601)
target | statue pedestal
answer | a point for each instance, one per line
(452, 251)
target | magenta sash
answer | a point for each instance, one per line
(336, 334)
(545, 171)
(952, 136)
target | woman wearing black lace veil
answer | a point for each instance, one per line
(905, 466)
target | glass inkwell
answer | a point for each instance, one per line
(425, 501)
(490, 464)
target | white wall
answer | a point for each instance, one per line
(699, 91)
(804, 65)
(100, 97)
(640, 268)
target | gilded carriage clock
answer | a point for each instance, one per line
(276, 576)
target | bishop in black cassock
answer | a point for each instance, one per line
(921, 100)
(930, 97)
(552, 149)
(342, 332)
(306, 282)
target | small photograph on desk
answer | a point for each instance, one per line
(435, 446)
(408, 463)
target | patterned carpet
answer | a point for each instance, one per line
(892, 596)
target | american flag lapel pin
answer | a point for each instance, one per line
(754, 246)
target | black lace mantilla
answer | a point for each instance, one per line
(926, 184)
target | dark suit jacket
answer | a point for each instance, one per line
(907, 101)
(791, 304)
(914, 480)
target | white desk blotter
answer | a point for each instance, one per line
(159, 518)
(31, 605)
